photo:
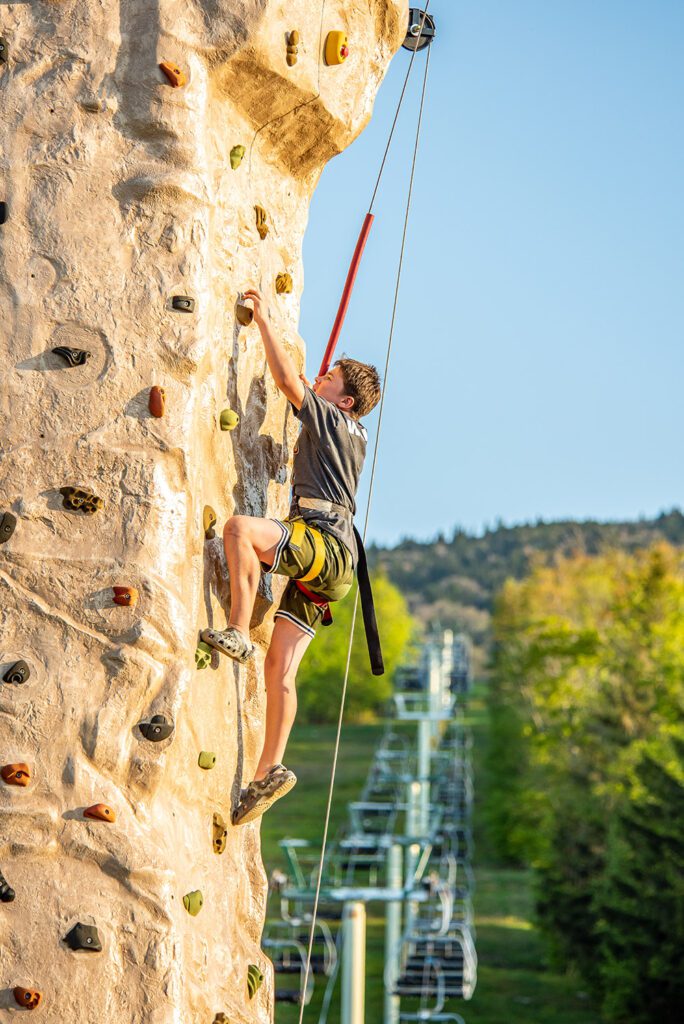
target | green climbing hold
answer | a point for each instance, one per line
(206, 760)
(203, 655)
(254, 980)
(236, 155)
(229, 419)
(193, 902)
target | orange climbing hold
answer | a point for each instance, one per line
(100, 812)
(157, 401)
(29, 998)
(126, 596)
(174, 74)
(18, 774)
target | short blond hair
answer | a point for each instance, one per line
(362, 383)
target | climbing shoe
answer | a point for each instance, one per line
(229, 641)
(259, 796)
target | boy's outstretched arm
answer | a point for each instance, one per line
(280, 363)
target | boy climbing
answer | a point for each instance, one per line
(316, 546)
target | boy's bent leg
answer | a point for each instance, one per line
(248, 541)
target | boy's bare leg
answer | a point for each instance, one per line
(288, 644)
(248, 541)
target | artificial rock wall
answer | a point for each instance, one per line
(119, 195)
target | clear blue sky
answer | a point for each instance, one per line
(538, 363)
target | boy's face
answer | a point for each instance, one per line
(331, 387)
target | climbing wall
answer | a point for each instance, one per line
(128, 232)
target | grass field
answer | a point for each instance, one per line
(513, 982)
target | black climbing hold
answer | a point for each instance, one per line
(17, 673)
(72, 356)
(183, 303)
(156, 729)
(84, 936)
(6, 894)
(3, 212)
(75, 499)
(4, 50)
(7, 524)
(421, 27)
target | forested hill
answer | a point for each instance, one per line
(454, 581)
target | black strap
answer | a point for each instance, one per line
(368, 609)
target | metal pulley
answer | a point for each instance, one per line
(421, 30)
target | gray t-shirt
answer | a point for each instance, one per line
(328, 459)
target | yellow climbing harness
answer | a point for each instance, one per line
(299, 528)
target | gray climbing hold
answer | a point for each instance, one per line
(17, 673)
(183, 303)
(157, 729)
(7, 894)
(7, 524)
(84, 936)
(4, 50)
(72, 356)
(3, 212)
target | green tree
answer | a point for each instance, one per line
(319, 684)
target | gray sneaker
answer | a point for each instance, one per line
(259, 796)
(229, 641)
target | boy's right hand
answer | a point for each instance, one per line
(260, 311)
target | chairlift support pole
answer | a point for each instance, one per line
(353, 963)
(392, 934)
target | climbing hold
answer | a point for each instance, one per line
(157, 729)
(29, 998)
(236, 155)
(292, 51)
(7, 525)
(206, 760)
(4, 50)
(209, 522)
(157, 401)
(75, 499)
(193, 902)
(6, 893)
(126, 596)
(72, 356)
(336, 48)
(220, 833)
(283, 284)
(84, 936)
(3, 212)
(18, 673)
(95, 106)
(261, 225)
(100, 812)
(421, 30)
(183, 303)
(221, 1018)
(254, 980)
(203, 655)
(18, 774)
(174, 74)
(229, 419)
(244, 314)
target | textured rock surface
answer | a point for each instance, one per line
(120, 194)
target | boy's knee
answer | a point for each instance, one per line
(236, 526)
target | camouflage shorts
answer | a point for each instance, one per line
(295, 557)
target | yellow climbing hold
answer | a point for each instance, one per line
(173, 74)
(262, 226)
(236, 155)
(283, 284)
(336, 48)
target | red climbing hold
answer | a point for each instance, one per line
(100, 812)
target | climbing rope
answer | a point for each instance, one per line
(333, 774)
